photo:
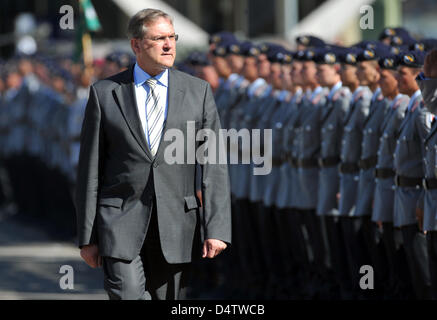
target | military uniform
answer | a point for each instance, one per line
(408, 164)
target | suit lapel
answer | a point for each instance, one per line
(127, 102)
(175, 100)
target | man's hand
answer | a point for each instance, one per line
(212, 247)
(90, 254)
(419, 218)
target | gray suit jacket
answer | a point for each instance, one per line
(112, 197)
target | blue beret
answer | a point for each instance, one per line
(197, 58)
(390, 62)
(220, 51)
(327, 55)
(310, 41)
(402, 37)
(233, 48)
(412, 59)
(249, 49)
(275, 53)
(222, 36)
(424, 44)
(349, 55)
(375, 53)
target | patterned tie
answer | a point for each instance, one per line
(155, 116)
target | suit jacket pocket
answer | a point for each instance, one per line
(111, 202)
(190, 203)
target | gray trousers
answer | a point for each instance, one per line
(149, 276)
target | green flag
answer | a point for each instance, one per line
(91, 20)
(88, 21)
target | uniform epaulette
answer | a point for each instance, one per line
(317, 98)
(340, 93)
(416, 104)
(359, 95)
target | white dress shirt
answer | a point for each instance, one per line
(142, 90)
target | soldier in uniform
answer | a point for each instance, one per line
(428, 85)
(297, 242)
(349, 171)
(408, 155)
(368, 75)
(331, 123)
(382, 214)
(307, 153)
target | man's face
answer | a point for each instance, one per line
(296, 75)
(327, 75)
(348, 74)
(286, 75)
(275, 76)
(263, 66)
(221, 66)
(367, 73)
(388, 83)
(309, 71)
(156, 50)
(250, 71)
(236, 62)
(406, 78)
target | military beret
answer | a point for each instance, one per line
(222, 36)
(390, 62)
(412, 59)
(375, 53)
(249, 49)
(310, 41)
(424, 45)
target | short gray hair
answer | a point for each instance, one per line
(137, 26)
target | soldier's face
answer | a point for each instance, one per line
(263, 66)
(296, 73)
(367, 73)
(221, 66)
(388, 83)
(250, 69)
(406, 78)
(348, 74)
(327, 75)
(275, 76)
(156, 50)
(309, 72)
(236, 62)
(208, 74)
(286, 75)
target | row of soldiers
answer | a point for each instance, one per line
(349, 208)
(42, 104)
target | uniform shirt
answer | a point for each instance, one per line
(409, 152)
(389, 128)
(332, 117)
(372, 131)
(354, 125)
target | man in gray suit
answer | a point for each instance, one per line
(137, 214)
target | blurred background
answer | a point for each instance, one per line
(45, 72)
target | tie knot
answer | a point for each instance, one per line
(151, 82)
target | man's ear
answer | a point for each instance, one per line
(134, 45)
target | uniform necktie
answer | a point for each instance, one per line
(155, 116)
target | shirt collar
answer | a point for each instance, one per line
(376, 94)
(334, 89)
(393, 102)
(413, 99)
(140, 76)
